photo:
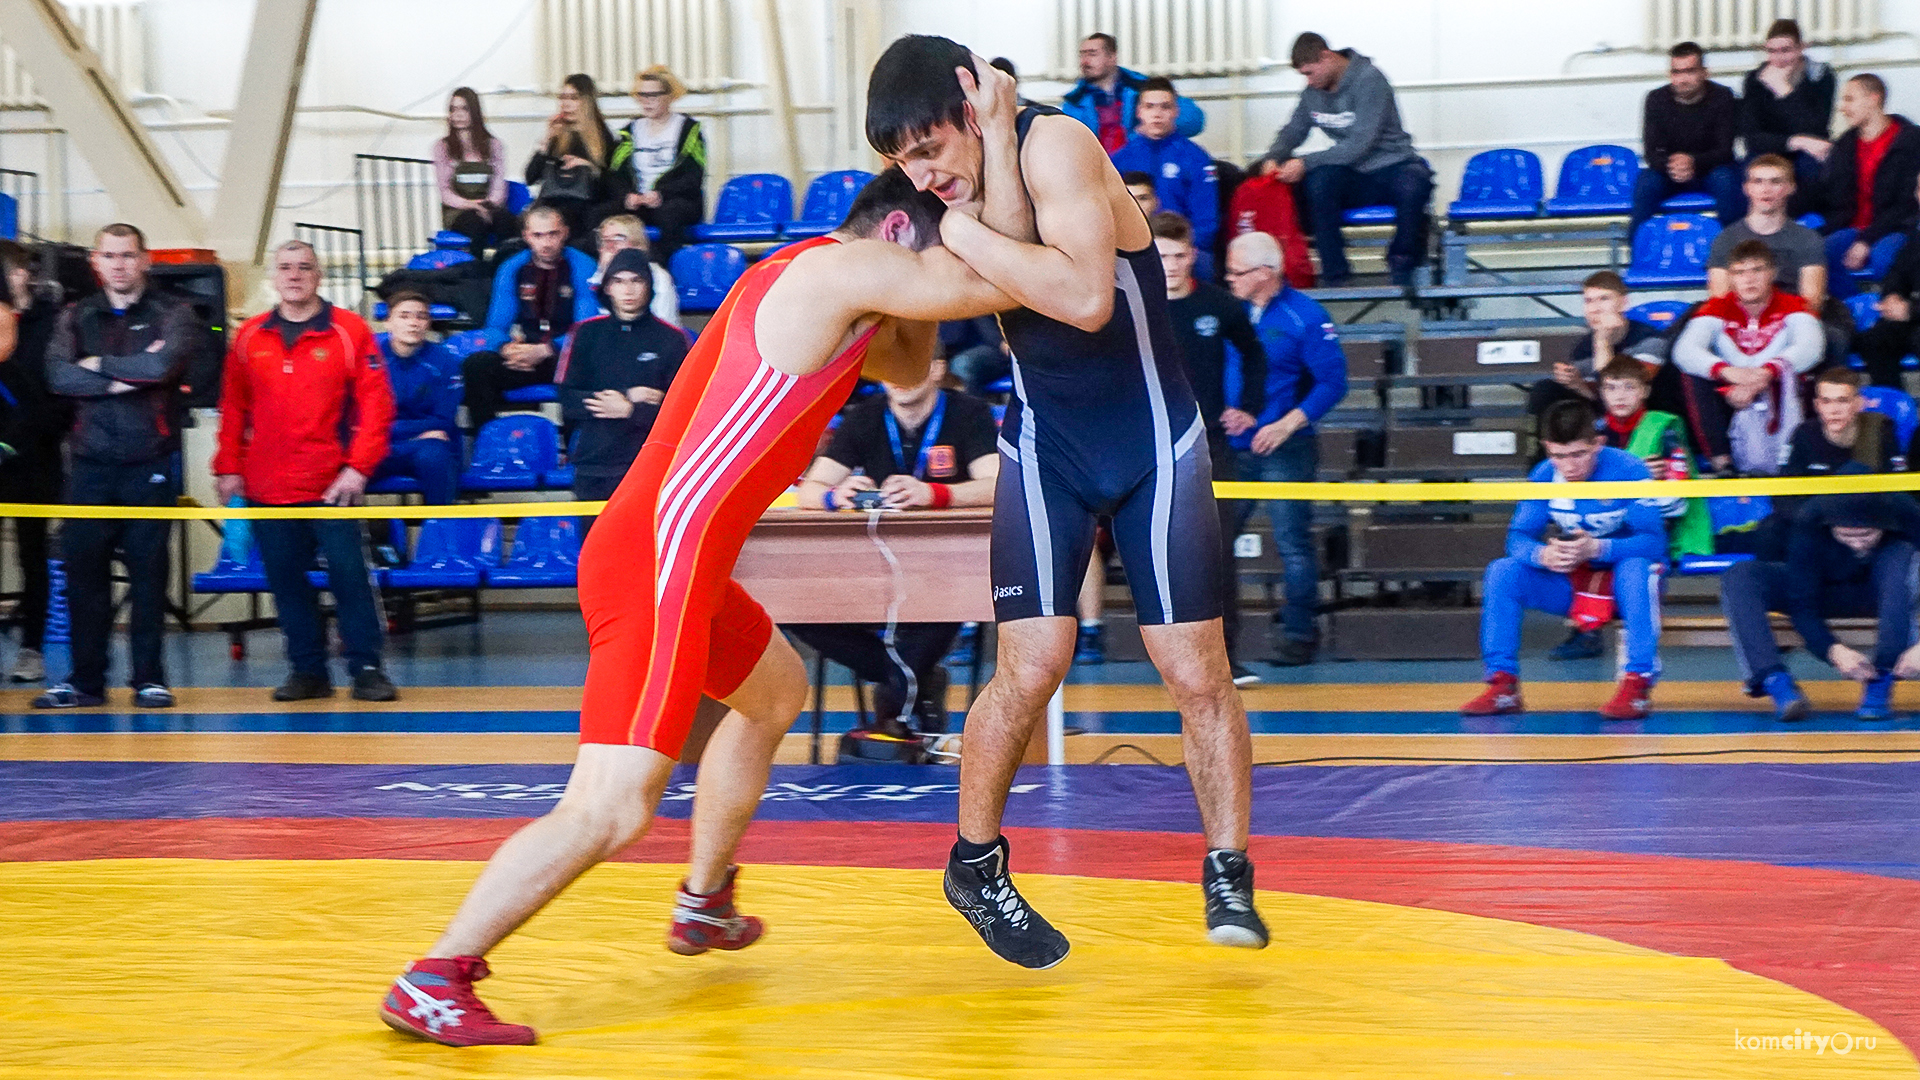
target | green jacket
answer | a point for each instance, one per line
(1692, 532)
(682, 181)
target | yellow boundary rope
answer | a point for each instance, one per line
(1349, 492)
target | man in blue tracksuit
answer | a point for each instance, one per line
(1578, 557)
(537, 297)
(424, 440)
(1105, 97)
(1306, 377)
(1849, 556)
(1183, 174)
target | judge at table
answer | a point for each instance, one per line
(919, 448)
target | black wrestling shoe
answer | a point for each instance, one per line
(1227, 880)
(983, 892)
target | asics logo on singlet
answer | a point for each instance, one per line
(1001, 592)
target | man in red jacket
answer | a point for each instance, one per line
(304, 415)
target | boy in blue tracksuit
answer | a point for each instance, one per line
(1306, 377)
(1183, 174)
(424, 440)
(1581, 558)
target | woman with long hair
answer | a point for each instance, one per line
(471, 165)
(659, 167)
(569, 169)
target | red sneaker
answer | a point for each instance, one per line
(710, 922)
(1632, 699)
(434, 1000)
(1500, 698)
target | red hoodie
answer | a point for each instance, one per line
(290, 419)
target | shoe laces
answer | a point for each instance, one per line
(1222, 889)
(1004, 898)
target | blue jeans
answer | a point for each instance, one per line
(1751, 589)
(287, 547)
(1513, 587)
(1297, 459)
(1653, 188)
(433, 462)
(1840, 280)
(1334, 189)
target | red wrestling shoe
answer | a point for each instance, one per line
(1632, 700)
(710, 922)
(434, 1000)
(1500, 698)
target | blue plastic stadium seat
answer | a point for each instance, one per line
(1897, 406)
(1658, 314)
(512, 453)
(395, 485)
(1499, 185)
(1002, 385)
(465, 343)
(533, 395)
(1865, 308)
(704, 273)
(546, 554)
(560, 476)
(1595, 180)
(1706, 565)
(436, 312)
(519, 196)
(1738, 513)
(828, 199)
(451, 553)
(1369, 215)
(1812, 221)
(448, 240)
(228, 576)
(750, 208)
(1670, 252)
(1694, 202)
(439, 258)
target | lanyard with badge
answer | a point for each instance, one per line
(927, 440)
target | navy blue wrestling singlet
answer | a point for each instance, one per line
(1104, 425)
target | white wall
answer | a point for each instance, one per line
(404, 55)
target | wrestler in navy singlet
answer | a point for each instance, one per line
(1104, 424)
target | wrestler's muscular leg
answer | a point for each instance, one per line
(734, 766)
(1192, 660)
(1033, 658)
(608, 804)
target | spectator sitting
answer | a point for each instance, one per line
(471, 167)
(1848, 437)
(1105, 97)
(1745, 353)
(1580, 558)
(1785, 107)
(622, 231)
(1850, 556)
(424, 441)
(1140, 185)
(1370, 162)
(33, 430)
(658, 171)
(1870, 184)
(1686, 136)
(538, 295)
(929, 448)
(1886, 344)
(1210, 324)
(304, 416)
(568, 172)
(978, 350)
(1183, 175)
(120, 355)
(1306, 377)
(1798, 252)
(614, 375)
(1611, 334)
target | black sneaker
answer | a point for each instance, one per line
(65, 696)
(372, 684)
(1227, 879)
(303, 687)
(983, 892)
(930, 712)
(1244, 675)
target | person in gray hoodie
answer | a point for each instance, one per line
(1370, 163)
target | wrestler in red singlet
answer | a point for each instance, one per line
(665, 621)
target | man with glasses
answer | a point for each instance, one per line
(1306, 377)
(1686, 136)
(1577, 558)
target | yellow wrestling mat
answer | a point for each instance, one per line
(180, 968)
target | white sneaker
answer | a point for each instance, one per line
(28, 666)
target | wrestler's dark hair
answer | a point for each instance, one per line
(891, 191)
(1568, 422)
(913, 90)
